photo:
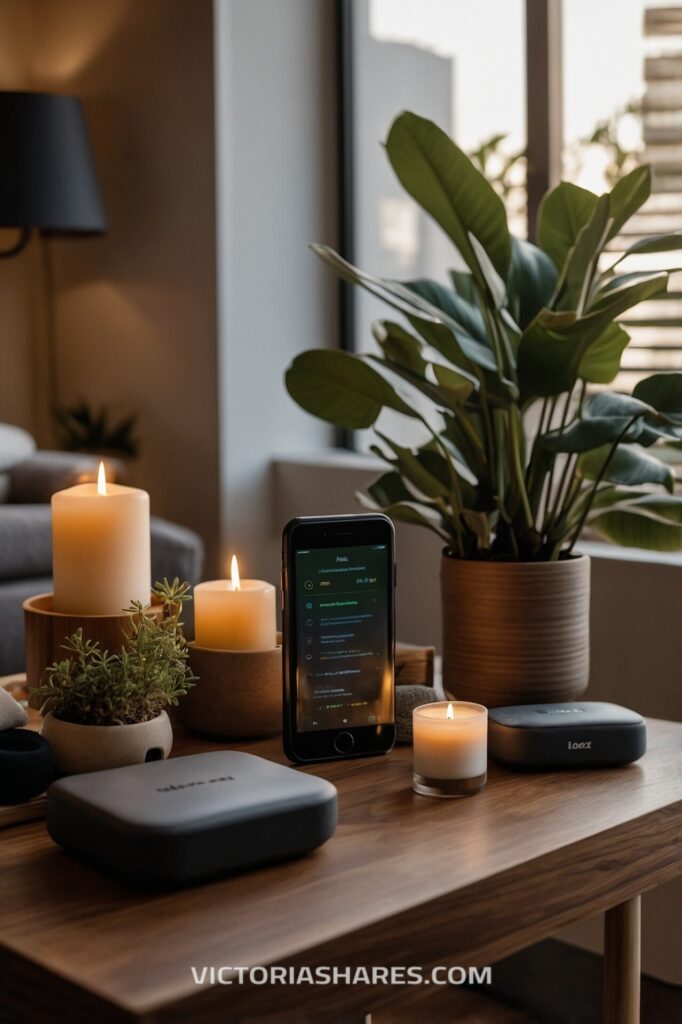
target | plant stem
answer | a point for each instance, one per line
(516, 442)
(552, 501)
(455, 495)
(570, 464)
(598, 480)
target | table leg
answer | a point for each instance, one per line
(622, 962)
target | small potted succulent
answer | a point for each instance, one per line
(502, 367)
(104, 710)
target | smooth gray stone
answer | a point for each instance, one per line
(12, 715)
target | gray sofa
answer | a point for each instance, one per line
(26, 541)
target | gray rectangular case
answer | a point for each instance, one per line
(171, 823)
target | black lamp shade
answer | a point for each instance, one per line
(47, 174)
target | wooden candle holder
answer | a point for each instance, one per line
(238, 695)
(47, 629)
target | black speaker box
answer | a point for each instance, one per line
(580, 734)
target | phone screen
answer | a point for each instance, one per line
(344, 673)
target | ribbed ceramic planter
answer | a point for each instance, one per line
(93, 748)
(515, 632)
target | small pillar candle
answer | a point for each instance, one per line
(235, 614)
(100, 548)
(450, 748)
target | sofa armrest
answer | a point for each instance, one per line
(35, 480)
(25, 541)
(176, 551)
(26, 546)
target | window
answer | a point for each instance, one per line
(627, 111)
(617, 66)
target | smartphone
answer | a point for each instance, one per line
(338, 581)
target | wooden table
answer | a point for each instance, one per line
(406, 880)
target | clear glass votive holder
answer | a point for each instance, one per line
(450, 741)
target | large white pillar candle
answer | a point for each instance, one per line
(235, 615)
(450, 748)
(100, 548)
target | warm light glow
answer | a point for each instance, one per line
(450, 712)
(234, 574)
(101, 480)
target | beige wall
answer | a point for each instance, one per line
(135, 311)
(277, 193)
(16, 319)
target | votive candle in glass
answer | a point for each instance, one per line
(450, 741)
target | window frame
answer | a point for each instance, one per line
(544, 129)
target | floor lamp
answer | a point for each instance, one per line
(48, 183)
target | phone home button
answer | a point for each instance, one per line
(344, 742)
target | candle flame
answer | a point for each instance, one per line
(101, 480)
(234, 574)
(450, 712)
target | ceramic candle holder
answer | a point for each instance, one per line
(238, 695)
(47, 629)
(450, 740)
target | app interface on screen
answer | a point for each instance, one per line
(344, 665)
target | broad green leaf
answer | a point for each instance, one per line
(389, 489)
(463, 283)
(663, 391)
(441, 397)
(581, 262)
(654, 526)
(531, 282)
(584, 435)
(443, 180)
(653, 243)
(563, 213)
(553, 345)
(463, 433)
(435, 463)
(455, 346)
(479, 524)
(460, 310)
(416, 514)
(459, 386)
(601, 362)
(421, 313)
(610, 497)
(493, 281)
(627, 196)
(399, 346)
(628, 466)
(412, 470)
(617, 282)
(621, 408)
(342, 389)
(612, 403)
(628, 290)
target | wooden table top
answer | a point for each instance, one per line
(405, 880)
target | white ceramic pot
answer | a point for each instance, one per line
(93, 748)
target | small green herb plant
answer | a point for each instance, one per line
(94, 687)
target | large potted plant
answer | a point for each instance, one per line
(503, 371)
(105, 710)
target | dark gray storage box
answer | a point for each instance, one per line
(171, 823)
